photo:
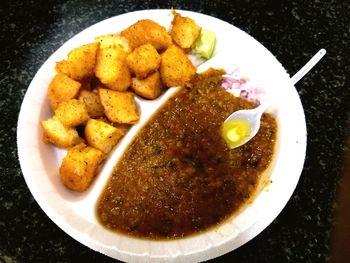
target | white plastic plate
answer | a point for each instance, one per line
(75, 212)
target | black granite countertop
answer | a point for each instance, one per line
(293, 31)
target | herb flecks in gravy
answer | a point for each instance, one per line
(178, 177)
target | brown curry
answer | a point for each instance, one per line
(178, 177)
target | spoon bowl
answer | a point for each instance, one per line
(241, 126)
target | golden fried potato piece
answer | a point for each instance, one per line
(147, 31)
(111, 69)
(119, 106)
(143, 60)
(72, 113)
(92, 103)
(79, 167)
(56, 133)
(101, 135)
(149, 88)
(114, 41)
(82, 60)
(62, 88)
(175, 68)
(62, 67)
(184, 31)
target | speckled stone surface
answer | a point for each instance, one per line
(293, 31)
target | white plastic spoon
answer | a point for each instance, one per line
(243, 125)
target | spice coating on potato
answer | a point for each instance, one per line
(119, 106)
(114, 41)
(143, 60)
(56, 133)
(101, 135)
(175, 68)
(72, 113)
(111, 69)
(184, 31)
(82, 60)
(79, 167)
(149, 88)
(147, 31)
(62, 88)
(92, 103)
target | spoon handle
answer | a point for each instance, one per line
(308, 66)
(264, 106)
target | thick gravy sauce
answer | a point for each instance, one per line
(178, 177)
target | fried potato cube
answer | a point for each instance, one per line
(114, 41)
(175, 68)
(119, 106)
(72, 113)
(143, 60)
(184, 31)
(101, 135)
(82, 60)
(92, 103)
(62, 67)
(149, 88)
(56, 133)
(79, 167)
(147, 31)
(111, 69)
(62, 88)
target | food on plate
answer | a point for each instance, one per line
(79, 166)
(102, 135)
(119, 106)
(111, 68)
(95, 87)
(178, 177)
(62, 67)
(147, 31)
(72, 113)
(176, 69)
(235, 132)
(92, 103)
(143, 60)
(149, 88)
(184, 31)
(56, 133)
(81, 61)
(62, 88)
(114, 41)
(205, 44)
